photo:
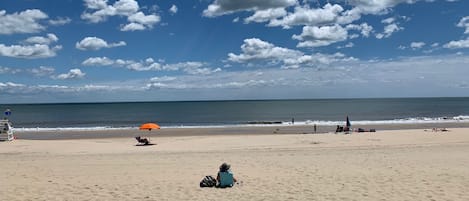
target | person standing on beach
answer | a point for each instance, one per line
(315, 128)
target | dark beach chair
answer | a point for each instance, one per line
(142, 141)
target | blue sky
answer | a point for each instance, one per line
(155, 50)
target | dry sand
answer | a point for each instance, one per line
(386, 165)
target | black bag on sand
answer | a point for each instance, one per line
(208, 181)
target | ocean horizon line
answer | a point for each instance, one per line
(235, 100)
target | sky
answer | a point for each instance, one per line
(162, 50)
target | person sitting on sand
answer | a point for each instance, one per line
(225, 177)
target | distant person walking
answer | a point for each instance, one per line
(315, 127)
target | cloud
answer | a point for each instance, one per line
(162, 79)
(464, 23)
(374, 78)
(255, 51)
(321, 36)
(364, 29)
(417, 45)
(227, 80)
(457, 44)
(376, 6)
(190, 67)
(27, 21)
(72, 74)
(133, 27)
(266, 15)
(193, 68)
(98, 61)
(348, 45)
(304, 15)
(99, 11)
(42, 71)
(11, 87)
(389, 20)
(60, 21)
(140, 21)
(51, 38)
(367, 75)
(7, 70)
(17, 88)
(390, 28)
(322, 26)
(29, 51)
(173, 9)
(223, 7)
(95, 43)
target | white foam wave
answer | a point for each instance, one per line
(97, 128)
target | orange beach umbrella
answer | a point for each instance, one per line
(149, 126)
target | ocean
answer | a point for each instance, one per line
(122, 115)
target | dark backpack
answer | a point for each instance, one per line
(208, 181)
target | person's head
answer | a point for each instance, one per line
(224, 167)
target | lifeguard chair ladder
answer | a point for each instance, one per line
(6, 130)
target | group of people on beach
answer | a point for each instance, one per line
(439, 129)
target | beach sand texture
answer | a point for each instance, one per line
(386, 165)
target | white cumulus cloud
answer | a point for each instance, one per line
(173, 9)
(51, 38)
(42, 71)
(223, 7)
(99, 11)
(60, 21)
(376, 6)
(149, 64)
(464, 23)
(417, 45)
(256, 51)
(316, 21)
(321, 36)
(464, 43)
(72, 74)
(304, 15)
(457, 44)
(95, 43)
(391, 26)
(32, 48)
(28, 21)
(29, 51)
(266, 15)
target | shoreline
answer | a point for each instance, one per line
(211, 131)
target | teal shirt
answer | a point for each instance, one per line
(226, 179)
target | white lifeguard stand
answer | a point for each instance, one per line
(6, 130)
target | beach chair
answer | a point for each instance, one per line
(142, 141)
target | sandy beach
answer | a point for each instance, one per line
(409, 164)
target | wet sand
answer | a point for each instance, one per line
(250, 130)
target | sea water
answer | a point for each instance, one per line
(96, 116)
